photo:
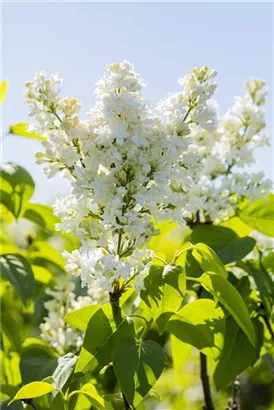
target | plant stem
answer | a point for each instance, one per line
(140, 317)
(181, 252)
(146, 329)
(116, 312)
(119, 243)
(160, 259)
(193, 279)
(268, 325)
(187, 113)
(205, 382)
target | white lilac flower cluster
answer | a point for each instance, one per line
(125, 164)
(131, 166)
(264, 245)
(54, 330)
(217, 190)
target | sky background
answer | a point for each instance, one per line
(164, 41)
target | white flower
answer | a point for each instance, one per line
(54, 329)
(131, 166)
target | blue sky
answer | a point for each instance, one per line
(164, 40)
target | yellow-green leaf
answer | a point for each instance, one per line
(3, 90)
(17, 187)
(21, 128)
(90, 391)
(41, 215)
(41, 274)
(32, 390)
(208, 259)
(260, 215)
(230, 298)
(164, 292)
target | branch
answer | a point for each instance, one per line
(268, 325)
(205, 382)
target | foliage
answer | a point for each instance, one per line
(22, 129)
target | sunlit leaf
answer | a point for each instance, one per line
(17, 187)
(3, 90)
(170, 239)
(42, 254)
(12, 331)
(201, 324)
(41, 274)
(208, 259)
(95, 399)
(17, 270)
(163, 293)
(237, 225)
(41, 215)
(224, 241)
(103, 332)
(22, 129)
(230, 298)
(32, 390)
(260, 215)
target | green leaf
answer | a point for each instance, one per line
(237, 225)
(102, 334)
(17, 187)
(241, 284)
(268, 260)
(260, 215)
(16, 269)
(10, 372)
(42, 254)
(90, 391)
(32, 390)
(8, 390)
(200, 323)
(224, 241)
(170, 239)
(41, 274)
(79, 318)
(181, 353)
(208, 259)
(230, 298)
(237, 249)
(164, 291)
(37, 361)
(238, 353)
(138, 365)
(214, 236)
(41, 215)
(18, 406)
(21, 128)
(262, 280)
(12, 331)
